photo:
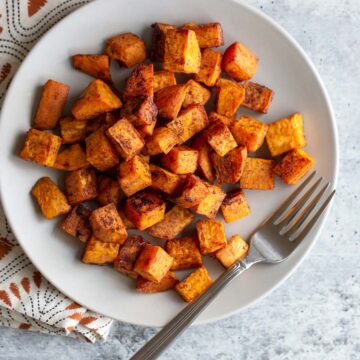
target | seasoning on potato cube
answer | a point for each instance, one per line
(40, 147)
(210, 68)
(144, 209)
(174, 221)
(108, 191)
(147, 130)
(234, 206)
(235, 250)
(100, 253)
(81, 185)
(51, 105)
(181, 160)
(192, 191)
(229, 96)
(162, 140)
(125, 138)
(194, 284)
(257, 97)
(162, 79)
(286, 134)
(77, 223)
(140, 110)
(168, 282)
(72, 130)
(182, 52)
(204, 165)
(196, 94)
(97, 66)
(208, 35)
(153, 263)
(164, 180)
(158, 41)
(134, 175)
(50, 198)
(185, 252)
(140, 82)
(169, 100)
(210, 204)
(127, 48)
(249, 132)
(226, 120)
(211, 235)
(294, 166)
(239, 62)
(96, 99)
(71, 158)
(258, 174)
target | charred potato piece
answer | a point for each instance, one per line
(211, 235)
(257, 97)
(147, 130)
(168, 282)
(204, 165)
(235, 250)
(229, 96)
(99, 253)
(180, 160)
(210, 68)
(258, 174)
(164, 180)
(97, 66)
(108, 191)
(158, 41)
(140, 82)
(208, 35)
(162, 140)
(228, 121)
(140, 110)
(210, 204)
(162, 79)
(72, 158)
(72, 130)
(196, 94)
(234, 206)
(77, 224)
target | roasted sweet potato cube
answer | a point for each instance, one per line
(147, 130)
(162, 140)
(210, 204)
(164, 180)
(96, 99)
(168, 282)
(239, 62)
(127, 48)
(41, 147)
(81, 185)
(229, 96)
(127, 223)
(208, 35)
(294, 166)
(125, 139)
(50, 198)
(153, 263)
(249, 132)
(77, 223)
(235, 250)
(181, 160)
(258, 174)
(174, 221)
(182, 52)
(257, 97)
(140, 82)
(140, 110)
(134, 175)
(162, 79)
(210, 68)
(229, 168)
(72, 158)
(99, 252)
(196, 94)
(194, 284)
(192, 191)
(108, 191)
(204, 165)
(102, 121)
(185, 252)
(228, 121)
(211, 235)
(72, 130)
(97, 66)
(191, 120)
(144, 209)
(234, 206)
(286, 134)
(158, 41)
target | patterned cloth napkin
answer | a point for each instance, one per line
(27, 300)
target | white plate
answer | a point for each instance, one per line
(283, 67)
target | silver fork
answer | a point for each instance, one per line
(271, 243)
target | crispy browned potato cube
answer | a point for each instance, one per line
(153, 263)
(169, 100)
(192, 191)
(294, 166)
(229, 96)
(162, 140)
(96, 99)
(125, 139)
(158, 41)
(229, 168)
(286, 134)
(258, 174)
(181, 160)
(72, 158)
(107, 225)
(257, 97)
(194, 284)
(208, 35)
(127, 48)
(72, 130)
(210, 68)
(191, 120)
(40, 147)
(108, 191)
(185, 252)
(77, 224)
(140, 110)
(249, 132)
(50, 198)
(204, 165)
(168, 282)
(134, 175)
(144, 209)
(99, 253)
(211, 235)
(228, 121)
(147, 130)
(210, 204)
(140, 82)
(81, 185)
(196, 94)
(239, 62)
(235, 250)
(174, 221)
(182, 52)
(234, 206)
(51, 105)
(97, 66)
(162, 79)
(99, 151)
(164, 180)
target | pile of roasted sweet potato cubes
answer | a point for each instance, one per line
(136, 153)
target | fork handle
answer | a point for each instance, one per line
(176, 326)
